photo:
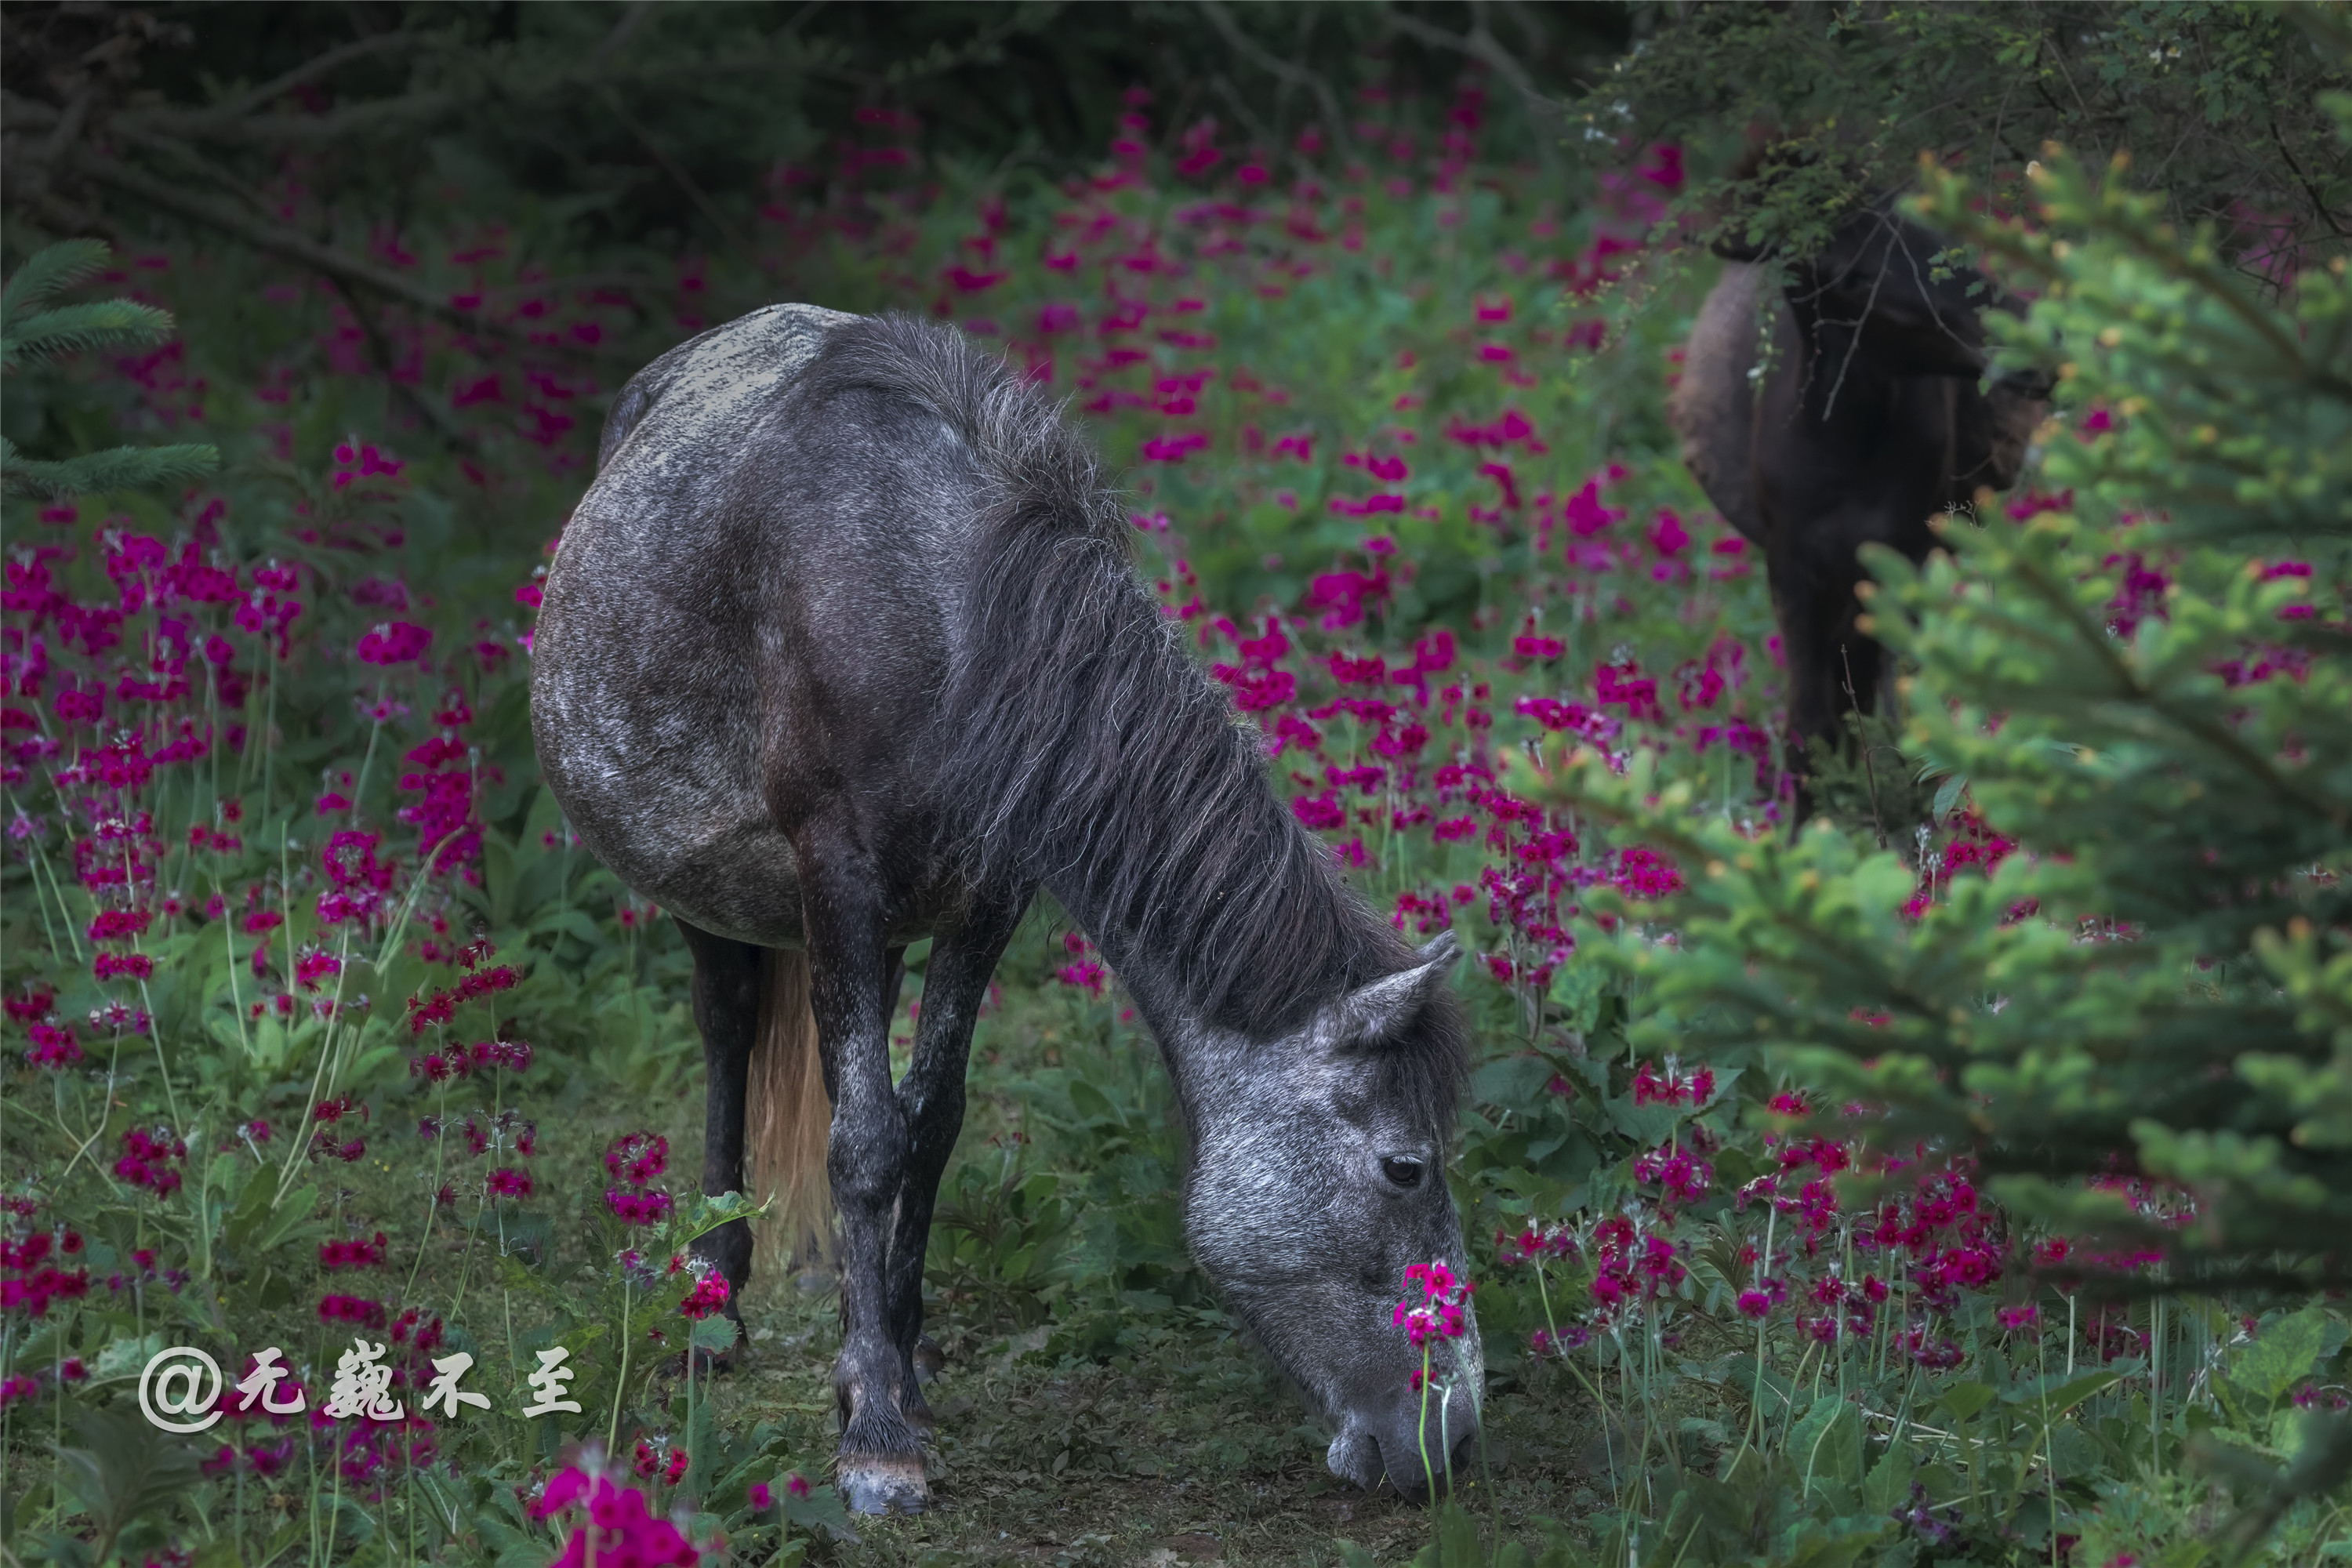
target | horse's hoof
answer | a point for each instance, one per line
(879, 1483)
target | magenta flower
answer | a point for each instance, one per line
(624, 1529)
(637, 1158)
(53, 1047)
(637, 1208)
(355, 1309)
(708, 1295)
(358, 1253)
(394, 642)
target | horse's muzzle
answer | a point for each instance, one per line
(1410, 1451)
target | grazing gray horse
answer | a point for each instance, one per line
(843, 650)
(1841, 410)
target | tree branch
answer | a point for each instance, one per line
(300, 250)
(1250, 50)
(310, 70)
(680, 177)
(1480, 45)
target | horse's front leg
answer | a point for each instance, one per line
(726, 1012)
(880, 1467)
(932, 1099)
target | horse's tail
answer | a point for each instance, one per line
(788, 1116)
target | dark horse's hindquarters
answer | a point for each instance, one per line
(842, 649)
(1864, 421)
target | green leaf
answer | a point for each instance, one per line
(2059, 1392)
(1889, 1486)
(1826, 1444)
(1947, 794)
(2284, 1354)
(821, 1510)
(1965, 1399)
(125, 1470)
(1837, 1551)
(714, 1335)
(125, 1357)
(1090, 1102)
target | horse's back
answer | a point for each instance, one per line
(646, 686)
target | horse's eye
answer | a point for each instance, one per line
(1404, 1172)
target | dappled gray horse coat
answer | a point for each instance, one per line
(842, 649)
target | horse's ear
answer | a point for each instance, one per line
(1386, 1010)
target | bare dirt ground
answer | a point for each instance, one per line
(1190, 1449)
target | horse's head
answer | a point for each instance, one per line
(1317, 1179)
(1916, 307)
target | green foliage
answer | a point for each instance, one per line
(2231, 414)
(123, 1472)
(1833, 104)
(2153, 985)
(30, 333)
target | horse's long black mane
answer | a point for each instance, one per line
(1082, 748)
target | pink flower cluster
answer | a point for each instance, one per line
(636, 1160)
(618, 1530)
(146, 1159)
(29, 1280)
(708, 1292)
(355, 1309)
(1443, 1311)
(54, 1046)
(441, 1007)
(1651, 1088)
(1632, 1266)
(1685, 1177)
(1533, 1244)
(360, 1252)
(1085, 972)
(763, 1497)
(482, 1056)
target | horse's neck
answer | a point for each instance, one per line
(1167, 986)
(1156, 981)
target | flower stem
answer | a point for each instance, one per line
(1421, 1440)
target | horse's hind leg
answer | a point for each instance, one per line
(931, 1097)
(881, 1460)
(726, 1012)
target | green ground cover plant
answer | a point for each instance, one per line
(1967, 1199)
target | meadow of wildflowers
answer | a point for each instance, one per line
(318, 1020)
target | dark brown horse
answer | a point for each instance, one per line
(1844, 408)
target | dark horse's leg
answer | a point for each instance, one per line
(1815, 606)
(726, 1012)
(932, 1098)
(881, 1459)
